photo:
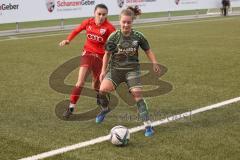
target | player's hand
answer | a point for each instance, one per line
(63, 43)
(102, 75)
(156, 68)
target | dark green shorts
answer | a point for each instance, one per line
(130, 77)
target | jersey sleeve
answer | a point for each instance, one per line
(78, 29)
(111, 44)
(143, 41)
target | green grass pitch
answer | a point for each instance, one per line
(203, 62)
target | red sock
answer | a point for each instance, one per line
(75, 94)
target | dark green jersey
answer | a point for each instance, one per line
(125, 49)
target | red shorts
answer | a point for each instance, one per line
(93, 62)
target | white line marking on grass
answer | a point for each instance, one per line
(186, 114)
(12, 37)
(166, 23)
(132, 130)
(29, 37)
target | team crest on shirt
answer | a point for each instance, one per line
(102, 31)
(134, 43)
(89, 28)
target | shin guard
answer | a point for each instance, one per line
(103, 100)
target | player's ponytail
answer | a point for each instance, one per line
(132, 11)
(136, 11)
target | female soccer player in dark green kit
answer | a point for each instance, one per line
(121, 64)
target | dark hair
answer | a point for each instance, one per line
(100, 6)
(132, 11)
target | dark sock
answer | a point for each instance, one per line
(143, 110)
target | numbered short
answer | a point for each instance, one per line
(131, 77)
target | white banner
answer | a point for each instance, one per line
(35, 10)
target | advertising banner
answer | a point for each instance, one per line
(34, 10)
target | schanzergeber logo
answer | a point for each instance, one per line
(8, 6)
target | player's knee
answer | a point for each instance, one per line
(106, 86)
(105, 89)
(137, 97)
(137, 94)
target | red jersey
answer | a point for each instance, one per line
(96, 35)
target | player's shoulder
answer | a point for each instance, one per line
(115, 35)
(109, 24)
(88, 21)
(138, 34)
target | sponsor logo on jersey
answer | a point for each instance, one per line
(127, 48)
(130, 51)
(95, 37)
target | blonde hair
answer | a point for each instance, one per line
(131, 11)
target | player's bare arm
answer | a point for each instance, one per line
(152, 58)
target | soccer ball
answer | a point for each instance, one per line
(119, 135)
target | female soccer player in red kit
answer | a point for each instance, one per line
(97, 31)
